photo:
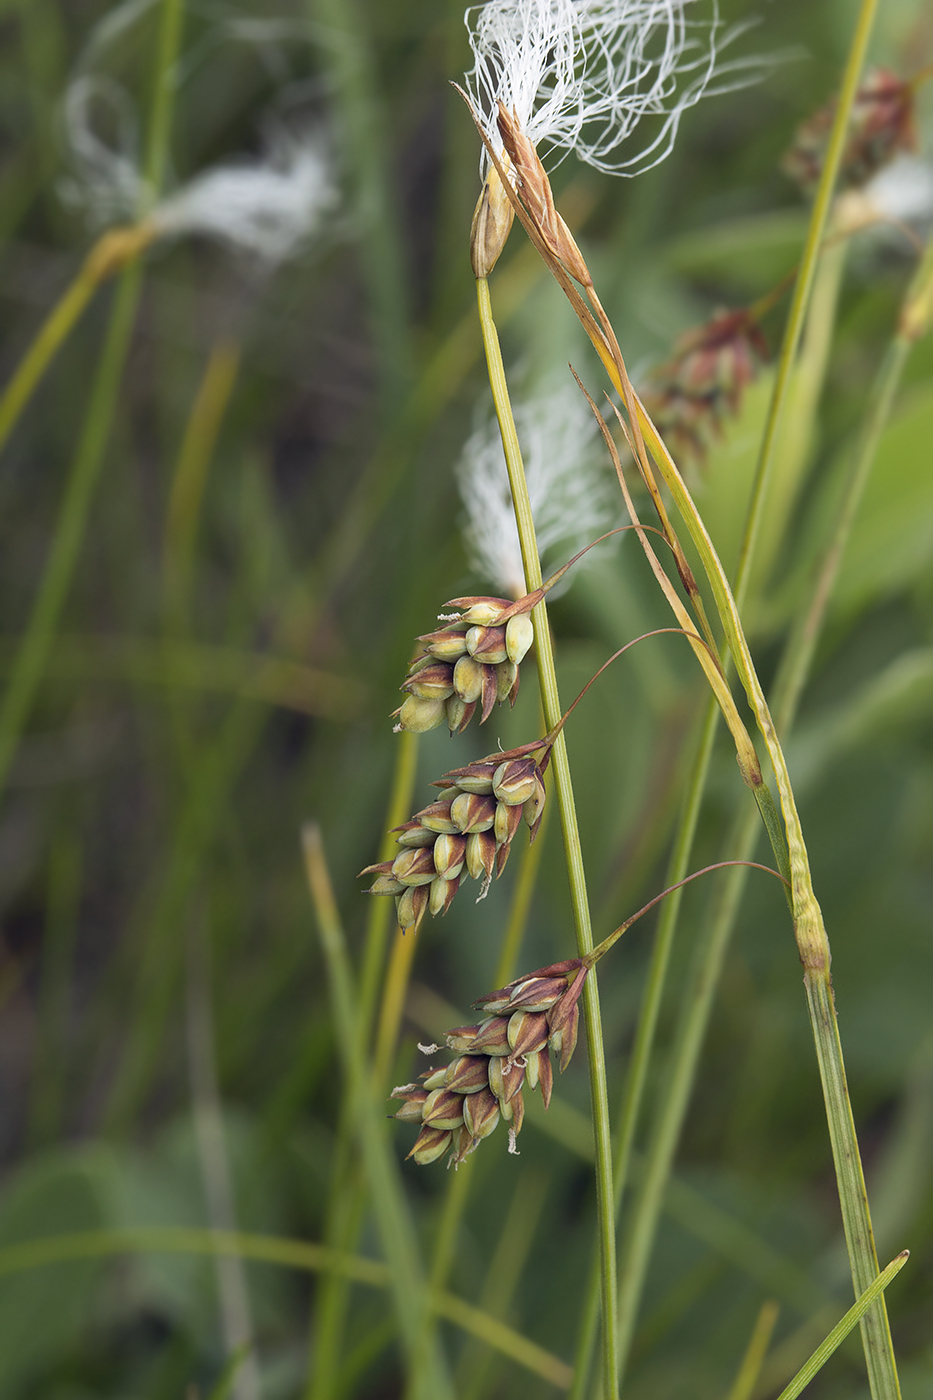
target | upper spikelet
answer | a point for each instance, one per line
(470, 663)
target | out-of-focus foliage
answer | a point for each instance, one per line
(276, 519)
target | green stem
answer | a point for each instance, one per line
(287, 1254)
(637, 1076)
(391, 1211)
(380, 914)
(163, 95)
(346, 1213)
(54, 331)
(550, 701)
(341, 24)
(69, 531)
(798, 658)
(460, 1183)
(810, 935)
(842, 1329)
(793, 671)
(808, 920)
(759, 1342)
(816, 234)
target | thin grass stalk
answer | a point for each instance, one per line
(755, 1352)
(113, 250)
(460, 1183)
(36, 642)
(520, 908)
(392, 1007)
(88, 461)
(550, 701)
(214, 1159)
(346, 1212)
(638, 1239)
(647, 1206)
(393, 1218)
(793, 454)
(520, 1222)
(183, 516)
(286, 1253)
(844, 1326)
(380, 912)
(458, 1190)
(341, 26)
(793, 671)
(913, 322)
(161, 907)
(168, 45)
(344, 1222)
(189, 482)
(809, 931)
(636, 1077)
(813, 247)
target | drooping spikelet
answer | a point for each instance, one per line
(883, 124)
(459, 1105)
(468, 830)
(472, 661)
(691, 396)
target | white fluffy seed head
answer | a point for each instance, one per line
(580, 74)
(105, 179)
(572, 497)
(901, 192)
(266, 208)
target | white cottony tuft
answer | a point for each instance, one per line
(105, 178)
(581, 74)
(902, 191)
(266, 208)
(571, 493)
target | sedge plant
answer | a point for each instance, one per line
(438, 1284)
(526, 100)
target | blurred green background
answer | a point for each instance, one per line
(220, 675)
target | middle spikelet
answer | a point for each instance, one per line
(468, 830)
(471, 662)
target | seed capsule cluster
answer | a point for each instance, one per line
(467, 830)
(459, 1105)
(470, 663)
(702, 385)
(883, 122)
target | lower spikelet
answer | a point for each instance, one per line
(462, 1103)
